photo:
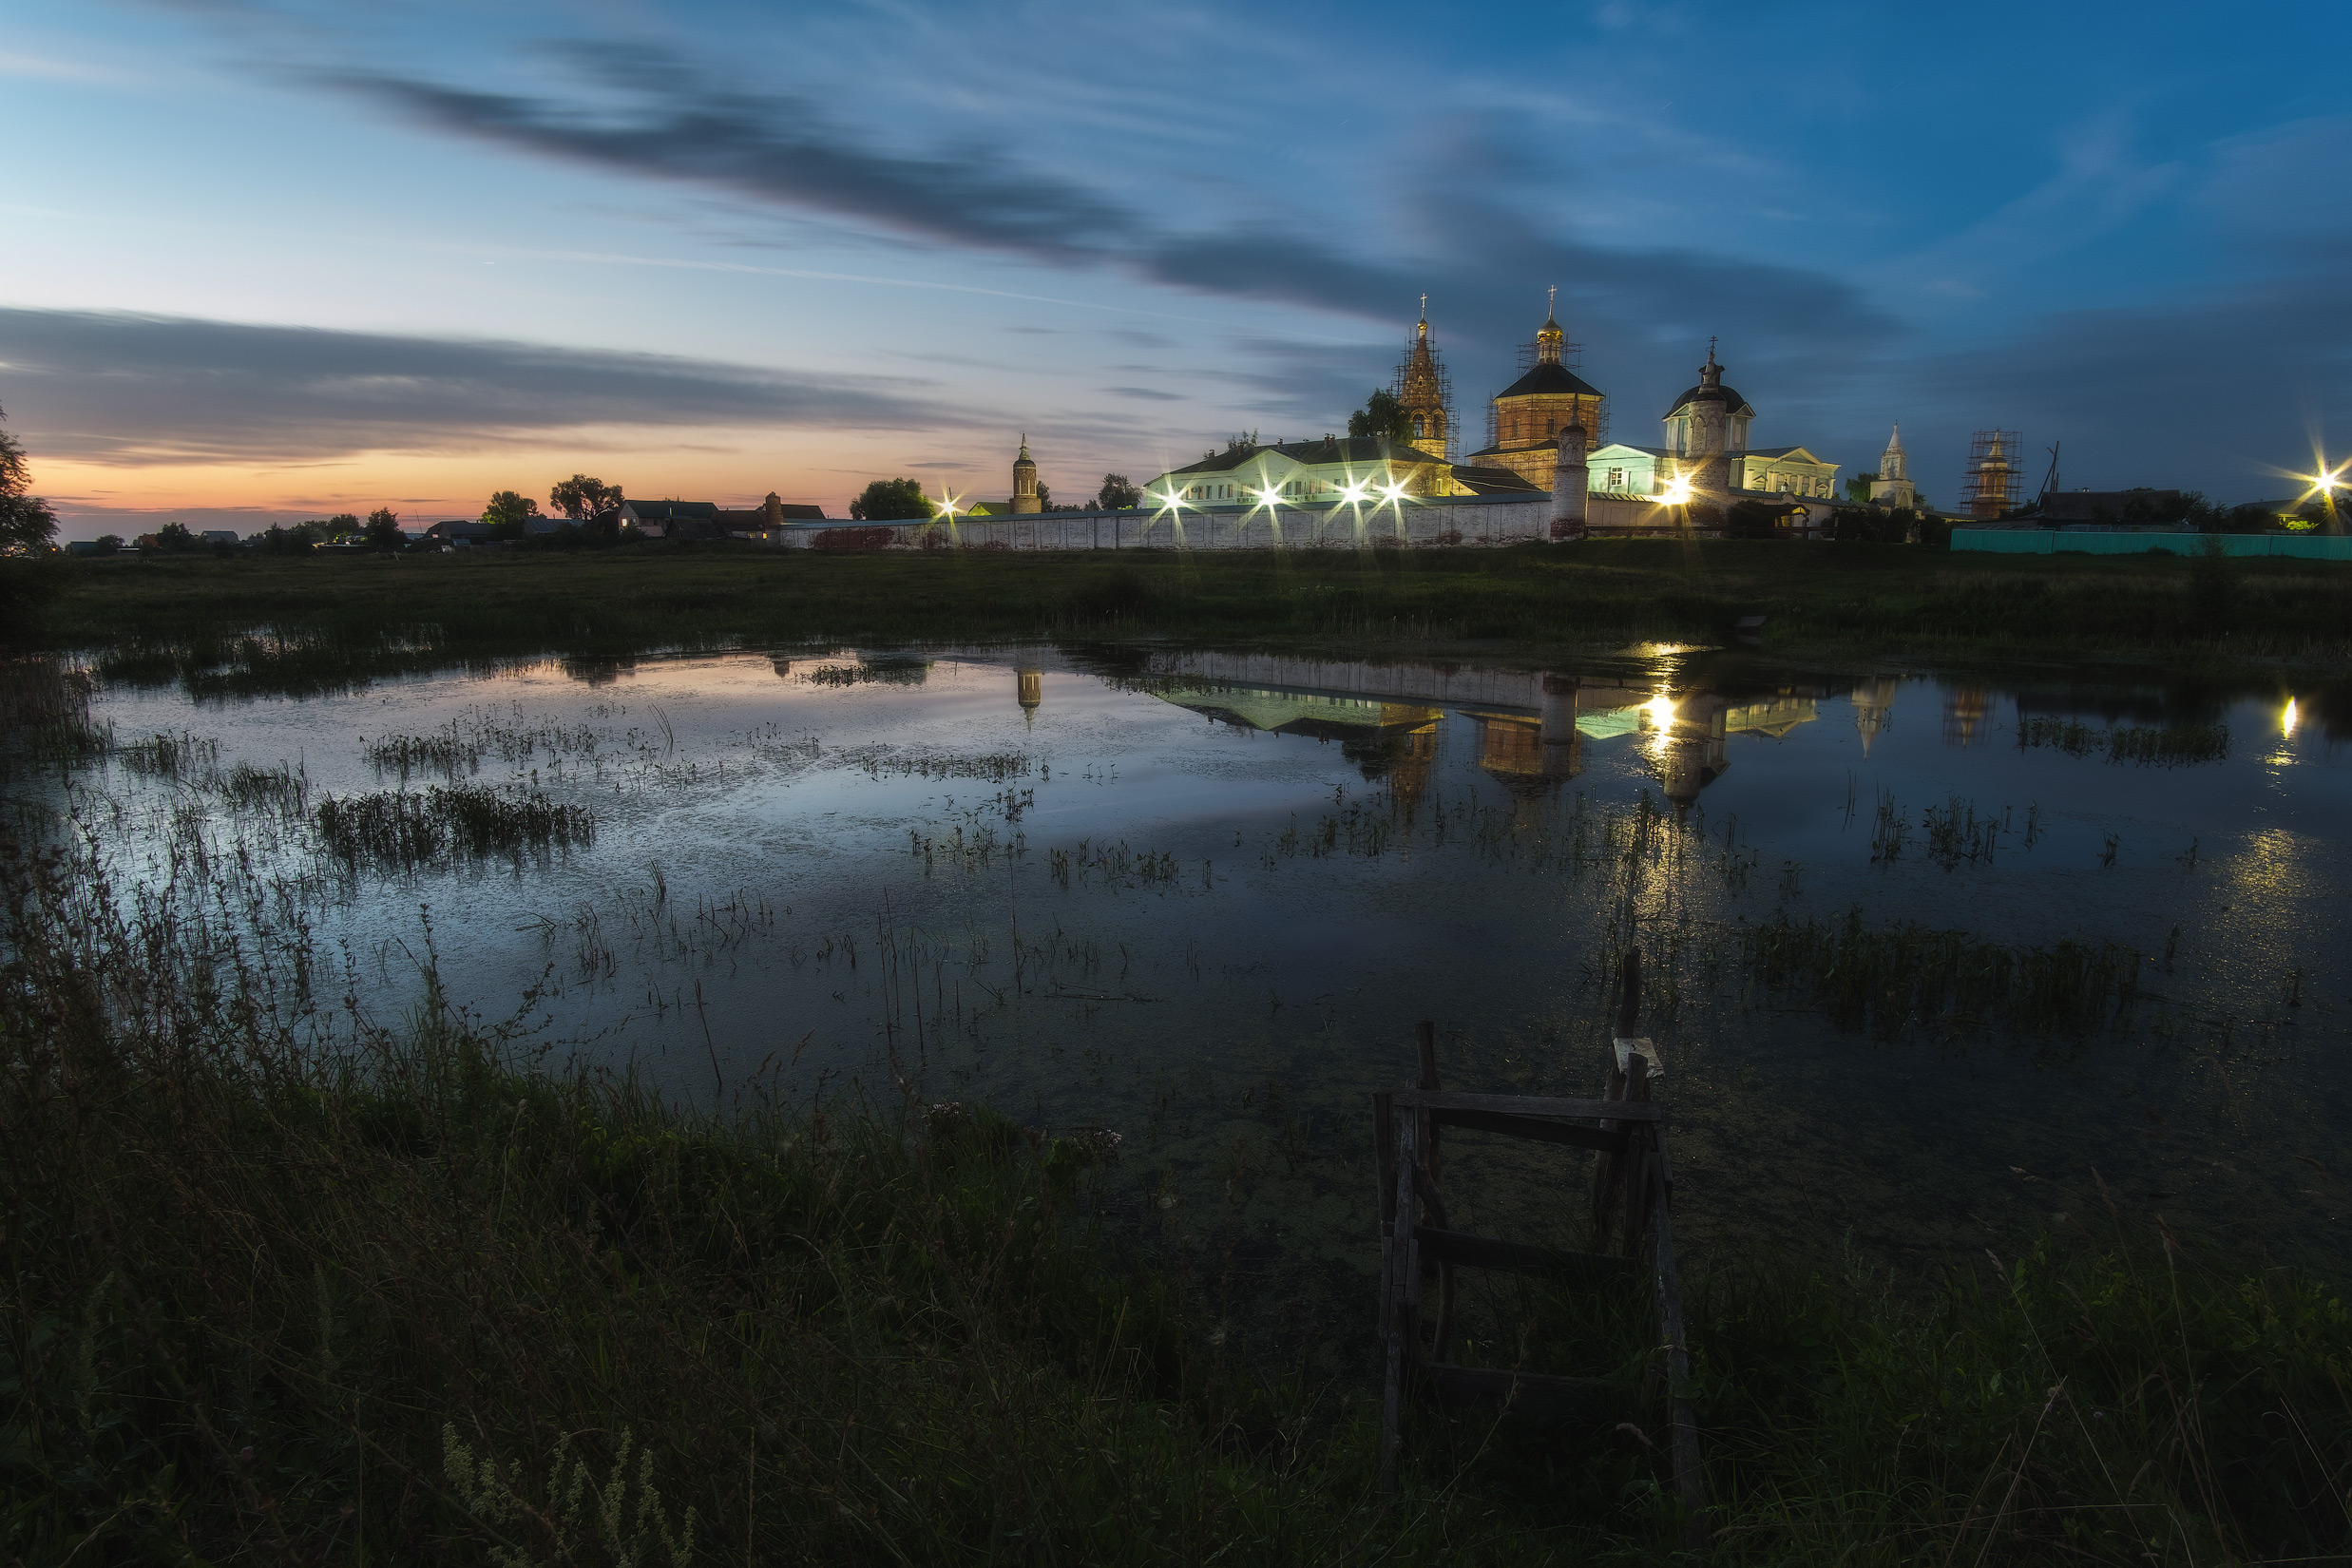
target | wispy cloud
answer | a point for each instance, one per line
(130, 390)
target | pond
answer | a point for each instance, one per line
(1934, 960)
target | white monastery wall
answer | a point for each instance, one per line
(1433, 522)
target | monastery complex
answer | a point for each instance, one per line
(1703, 452)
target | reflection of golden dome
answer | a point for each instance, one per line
(1031, 684)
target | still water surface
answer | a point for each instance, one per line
(1201, 900)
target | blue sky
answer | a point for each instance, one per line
(284, 259)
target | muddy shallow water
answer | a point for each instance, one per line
(1200, 899)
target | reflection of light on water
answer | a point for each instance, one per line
(1658, 713)
(2286, 720)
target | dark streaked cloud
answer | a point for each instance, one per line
(650, 116)
(657, 119)
(130, 389)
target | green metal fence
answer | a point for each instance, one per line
(2309, 547)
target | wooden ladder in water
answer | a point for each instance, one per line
(1627, 1128)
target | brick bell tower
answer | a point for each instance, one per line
(1025, 482)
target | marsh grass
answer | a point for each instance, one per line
(45, 714)
(294, 1283)
(453, 824)
(2175, 746)
(1899, 977)
(179, 757)
(222, 628)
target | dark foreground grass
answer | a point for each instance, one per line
(286, 1286)
(294, 626)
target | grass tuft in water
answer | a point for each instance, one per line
(2176, 746)
(396, 829)
(1893, 979)
(45, 714)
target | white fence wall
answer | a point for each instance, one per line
(1469, 519)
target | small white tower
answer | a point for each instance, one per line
(1571, 484)
(1892, 487)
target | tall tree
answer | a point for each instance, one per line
(1118, 493)
(27, 524)
(1382, 417)
(891, 501)
(384, 529)
(583, 496)
(509, 510)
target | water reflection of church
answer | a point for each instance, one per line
(1531, 729)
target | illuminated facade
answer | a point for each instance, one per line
(1706, 448)
(1326, 472)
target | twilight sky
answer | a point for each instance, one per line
(282, 259)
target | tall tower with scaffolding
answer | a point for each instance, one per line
(1425, 391)
(1990, 489)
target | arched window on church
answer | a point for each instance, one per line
(1419, 430)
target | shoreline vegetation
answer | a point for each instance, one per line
(293, 1284)
(290, 1282)
(276, 624)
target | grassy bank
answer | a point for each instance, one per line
(324, 619)
(290, 1284)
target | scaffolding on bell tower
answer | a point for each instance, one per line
(1425, 391)
(1992, 486)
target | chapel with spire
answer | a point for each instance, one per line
(1893, 486)
(1530, 413)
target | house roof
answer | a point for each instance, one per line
(1484, 481)
(1550, 380)
(1338, 449)
(1784, 454)
(707, 510)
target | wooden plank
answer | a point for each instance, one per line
(1477, 1252)
(1689, 1480)
(1425, 1038)
(1542, 1129)
(1609, 1169)
(1403, 1287)
(1585, 1110)
(1384, 1157)
(1535, 1394)
(1637, 1156)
